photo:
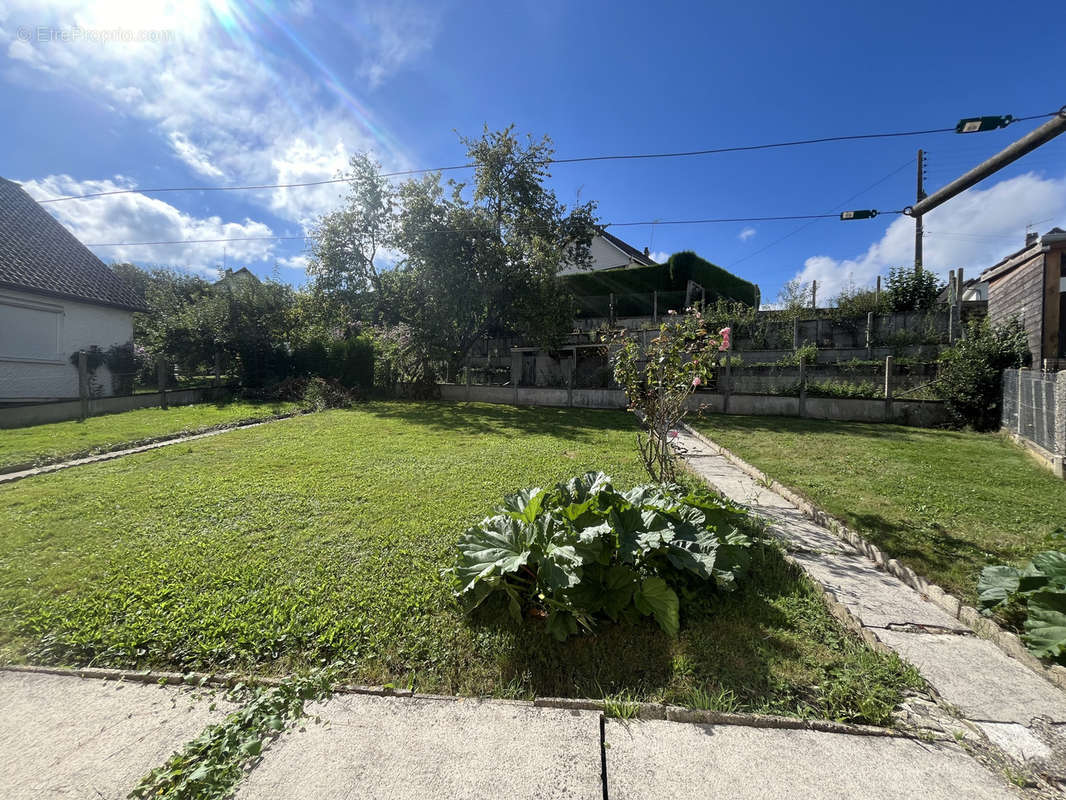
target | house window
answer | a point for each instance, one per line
(29, 331)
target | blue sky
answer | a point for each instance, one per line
(238, 92)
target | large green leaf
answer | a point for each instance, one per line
(560, 623)
(498, 546)
(524, 505)
(1052, 563)
(656, 598)
(996, 585)
(1045, 629)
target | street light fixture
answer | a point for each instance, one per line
(862, 214)
(982, 124)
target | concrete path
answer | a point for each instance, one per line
(1016, 709)
(67, 737)
(62, 736)
(666, 760)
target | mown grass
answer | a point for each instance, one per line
(946, 503)
(322, 538)
(39, 444)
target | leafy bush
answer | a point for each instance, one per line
(970, 381)
(323, 393)
(658, 380)
(583, 551)
(912, 289)
(1035, 594)
(846, 389)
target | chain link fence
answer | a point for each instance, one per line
(1034, 407)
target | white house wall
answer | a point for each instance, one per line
(604, 256)
(38, 335)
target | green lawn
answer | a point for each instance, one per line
(946, 503)
(55, 441)
(322, 537)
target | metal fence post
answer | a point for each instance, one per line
(888, 388)
(83, 384)
(1021, 379)
(869, 333)
(795, 333)
(161, 377)
(801, 406)
(655, 306)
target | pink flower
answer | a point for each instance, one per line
(671, 311)
(696, 381)
(725, 333)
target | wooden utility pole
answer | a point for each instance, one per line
(918, 230)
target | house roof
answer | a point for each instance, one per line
(627, 249)
(39, 255)
(1019, 257)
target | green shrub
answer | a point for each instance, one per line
(322, 393)
(583, 551)
(969, 379)
(845, 389)
(912, 289)
(1035, 595)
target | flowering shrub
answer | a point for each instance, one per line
(659, 380)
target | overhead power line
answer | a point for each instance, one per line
(479, 230)
(576, 160)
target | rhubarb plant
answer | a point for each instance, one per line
(1035, 594)
(582, 552)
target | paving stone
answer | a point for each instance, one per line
(875, 597)
(376, 747)
(67, 737)
(665, 760)
(1015, 740)
(978, 678)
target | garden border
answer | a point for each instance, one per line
(91, 455)
(645, 711)
(984, 627)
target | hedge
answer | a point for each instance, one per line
(673, 276)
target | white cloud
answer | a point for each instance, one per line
(392, 36)
(659, 256)
(227, 108)
(973, 231)
(139, 218)
(746, 234)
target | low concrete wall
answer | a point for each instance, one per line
(38, 414)
(905, 412)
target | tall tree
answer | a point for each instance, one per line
(456, 262)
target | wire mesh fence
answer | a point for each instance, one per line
(1033, 407)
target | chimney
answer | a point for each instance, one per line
(647, 252)
(1031, 237)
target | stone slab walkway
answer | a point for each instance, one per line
(1015, 707)
(69, 737)
(664, 760)
(64, 737)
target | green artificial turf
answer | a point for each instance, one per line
(322, 538)
(946, 503)
(40, 444)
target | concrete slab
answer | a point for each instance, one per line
(978, 678)
(375, 747)
(877, 598)
(65, 737)
(667, 760)
(1015, 740)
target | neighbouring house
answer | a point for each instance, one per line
(237, 277)
(56, 298)
(609, 252)
(1030, 284)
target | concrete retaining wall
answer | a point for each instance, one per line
(906, 412)
(22, 416)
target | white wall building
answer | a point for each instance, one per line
(56, 298)
(610, 252)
